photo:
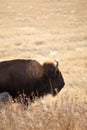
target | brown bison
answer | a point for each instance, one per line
(18, 76)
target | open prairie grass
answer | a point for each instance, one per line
(66, 111)
(42, 30)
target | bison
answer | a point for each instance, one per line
(19, 75)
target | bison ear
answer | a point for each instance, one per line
(56, 64)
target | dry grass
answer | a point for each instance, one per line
(67, 111)
(47, 29)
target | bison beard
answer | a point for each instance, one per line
(30, 76)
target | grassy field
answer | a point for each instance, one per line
(67, 111)
(47, 30)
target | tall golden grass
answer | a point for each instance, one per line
(66, 111)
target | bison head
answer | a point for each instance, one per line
(56, 80)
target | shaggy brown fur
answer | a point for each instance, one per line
(29, 76)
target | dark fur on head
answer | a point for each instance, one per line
(50, 69)
(54, 75)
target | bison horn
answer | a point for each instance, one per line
(57, 63)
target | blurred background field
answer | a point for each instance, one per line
(48, 30)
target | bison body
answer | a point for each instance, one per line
(18, 76)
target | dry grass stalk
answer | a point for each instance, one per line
(67, 111)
